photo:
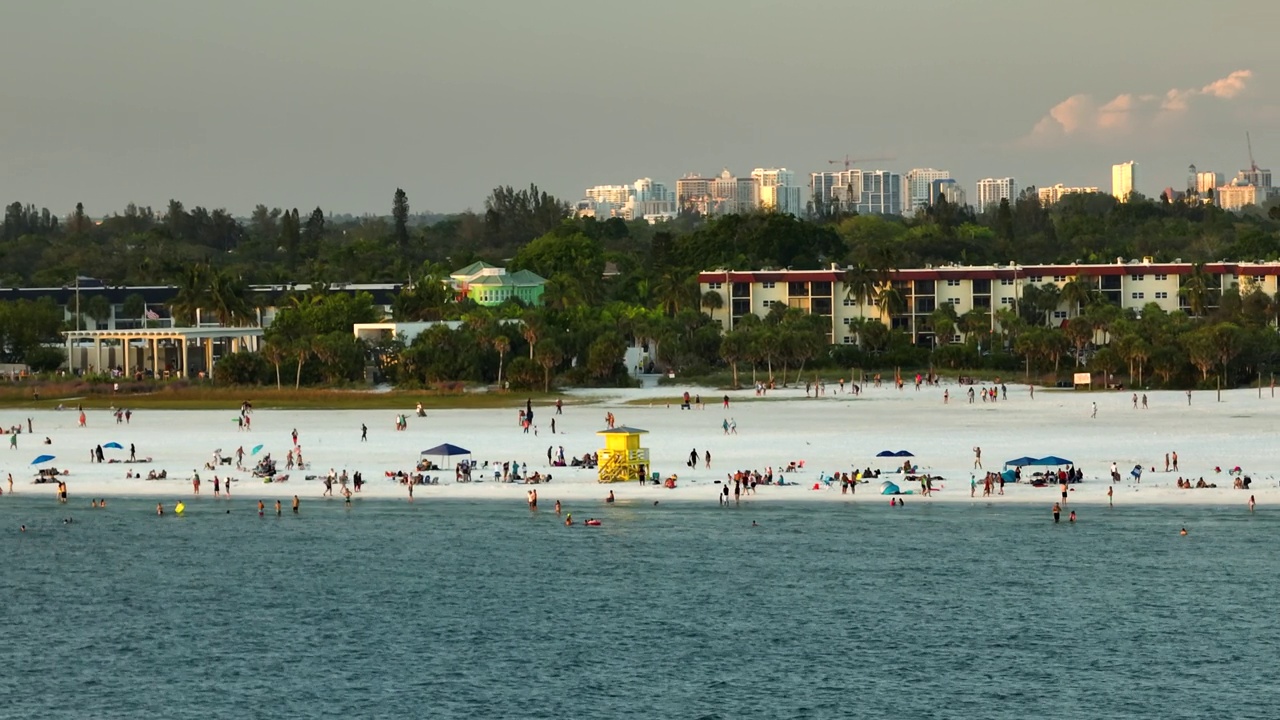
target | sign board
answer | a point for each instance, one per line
(1083, 379)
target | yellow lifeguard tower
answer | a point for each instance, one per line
(622, 458)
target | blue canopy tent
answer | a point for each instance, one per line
(1052, 460)
(446, 452)
(1020, 461)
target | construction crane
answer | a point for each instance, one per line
(850, 161)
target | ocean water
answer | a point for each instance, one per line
(486, 610)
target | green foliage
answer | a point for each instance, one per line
(242, 368)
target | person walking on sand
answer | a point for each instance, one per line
(977, 456)
(1175, 461)
(364, 433)
(1166, 462)
(1135, 401)
(410, 491)
(294, 435)
(973, 485)
(1062, 486)
(708, 457)
(195, 484)
(82, 418)
(13, 440)
(1144, 401)
(1095, 411)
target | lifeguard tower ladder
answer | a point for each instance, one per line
(622, 459)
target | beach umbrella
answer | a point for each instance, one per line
(886, 453)
(42, 459)
(113, 446)
(904, 453)
(256, 449)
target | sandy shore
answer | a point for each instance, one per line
(832, 433)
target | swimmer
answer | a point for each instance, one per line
(753, 524)
(610, 498)
(159, 509)
(22, 528)
(557, 507)
(1072, 516)
(261, 508)
(93, 503)
(277, 508)
(568, 519)
(1183, 532)
(295, 504)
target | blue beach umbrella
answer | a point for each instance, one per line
(256, 449)
(904, 453)
(42, 459)
(113, 446)
(886, 453)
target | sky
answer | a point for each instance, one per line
(332, 103)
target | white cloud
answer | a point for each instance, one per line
(1082, 117)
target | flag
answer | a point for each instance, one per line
(152, 314)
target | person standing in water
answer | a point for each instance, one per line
(1072, 516)
(1057, 512)
(1252, 502)
(295, 504)
(262, 509)
(557, 507)
(1110, 502)
(277, 508)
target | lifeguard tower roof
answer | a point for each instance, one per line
(624, 430)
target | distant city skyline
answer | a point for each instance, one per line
(237, 103)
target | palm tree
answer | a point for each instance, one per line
(944, 322)
(891, 302)
(228, 299)
(275, 354)
(1195, 290)
(548, 356)
(712, 301)
(734, 347)
(502, 344)
(860, 283)
(192, 294)
(531, 329)
(1077, 293)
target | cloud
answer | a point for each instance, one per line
(1083, 117)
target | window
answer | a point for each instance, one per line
(1138, 296)
(848, 340)
(954, 301)
(1059, 278)
(1161, 295)
(1257, 278)
(1059, 314)
(956, 339)
(713, 286)
(981, 287)
(1006, 301)
(1037, 279)
(850, 302)
(820, 288)
(767, 285)
(1137, 278)
(953, 283)
(1006, 281)
(1162, 277)
(848, 321)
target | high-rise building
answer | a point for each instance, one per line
(1051, 195)
(919, 188)
(1124, 178)
(1254, 176)
(948, 189)
(644, 199)
(720, 195)
(778, 190)
(1206, 181)
(821, 185)
(992, 190)
(881, 193)
(1236, 196)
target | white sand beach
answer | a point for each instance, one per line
(832, 433)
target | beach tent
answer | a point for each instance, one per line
(1020, 461)
(42, 459)
(888, 488)
(1052, 460)
(113, 446)
(446, 451)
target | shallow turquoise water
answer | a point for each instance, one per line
(480, 609)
